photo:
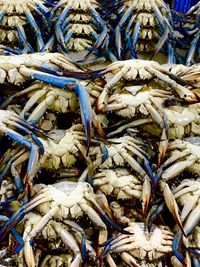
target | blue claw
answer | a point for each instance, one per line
(33, 158)
(68, 36)
(148, 169)
(113, 225)
(36, 140)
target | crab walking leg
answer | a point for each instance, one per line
(19, 215)
(14, 171)
(175, 157)
(129, 125)
(146, 194)
(129, 260)
(102, 100)
(182, 91)
(134, 164)
(95, 218)
(33, 100)
(178, 168)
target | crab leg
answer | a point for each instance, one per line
(192, 50)
(85, 105)
(118, 38)
(22, 39)
(19, 215)
(129, 260)
(40, 42)
(178, 168)
(19, 241)
(183, 92)
(58, 29)
(34, 155)
(100, 22)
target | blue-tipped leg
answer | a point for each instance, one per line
(118, 38)
(40, 42)
(83, 248)
(175, 247)
(23, 41)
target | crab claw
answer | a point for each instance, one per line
(101, 101)
(171, 204)
(62, 82)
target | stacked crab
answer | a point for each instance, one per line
(94, 163)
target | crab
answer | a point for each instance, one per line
(62, 236)
(142, 246)
(118, 182)
(79, 28)
(142, 71)
(184, 155)
(142, 27)
(18, 69)
(51, 98)
(10, 120)
(62, 152)
(17, 18)
(118, 152)
(61, 202)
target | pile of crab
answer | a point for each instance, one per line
(99, 165)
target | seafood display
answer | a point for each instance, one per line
(99, 133)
